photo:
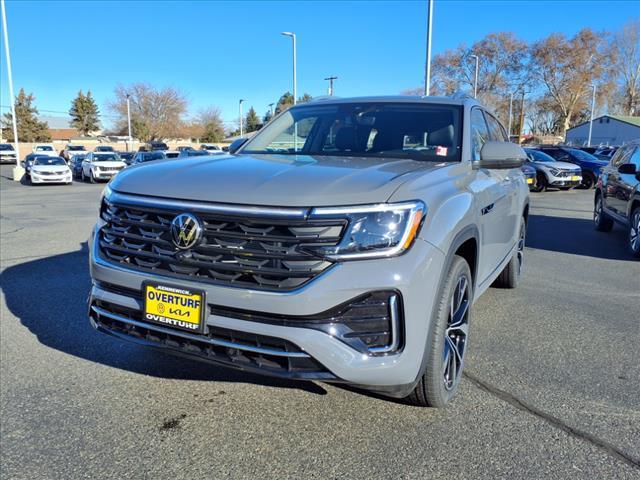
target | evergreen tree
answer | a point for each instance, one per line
(305, 98)
(286, 101)
(267, 117)
(30, 129)
(252, 121)
(84, 113)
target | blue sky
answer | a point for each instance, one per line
(218, 52)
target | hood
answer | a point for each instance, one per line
(560, 165)
(50, 168)
(108, 163)
(274, 180)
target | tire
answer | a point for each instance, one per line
(82, 177)
(541, 182)
(564, 189)
(91, 179)
(447, 340)
(510, 276)
(634, 233)
(602, 222)
(588, 181)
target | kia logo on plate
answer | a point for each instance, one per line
(185, 230)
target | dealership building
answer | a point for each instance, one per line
(607, 130)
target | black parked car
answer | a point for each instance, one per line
(76, 165)
(127, 157)
(617, 196)
(28, 162)
(590, 165)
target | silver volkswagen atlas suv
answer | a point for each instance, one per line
(345, 242)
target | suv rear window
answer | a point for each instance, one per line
(391, 130)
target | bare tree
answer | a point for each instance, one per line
(567, 69)
(155, 114)
(625, 52)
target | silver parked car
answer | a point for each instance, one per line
(345, 242)
(551, 173)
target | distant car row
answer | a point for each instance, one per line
(8, 154)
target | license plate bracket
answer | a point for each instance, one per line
(174, 306)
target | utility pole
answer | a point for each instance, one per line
(240, 113)
(18, 171)
(293, 37)
(129, 122)
(510, 114)
(521, 130)
(331, 79)
(427, 76)
(593, 107)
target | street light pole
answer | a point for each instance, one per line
(293, 37)
(475, 77)
(510, 114)
(427, 74)
(240, 113)
(129, 122)
(18, 171)
(593, 107)
(271, 107)
(521, 118)
(331, 79)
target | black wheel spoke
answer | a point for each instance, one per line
(456, 333)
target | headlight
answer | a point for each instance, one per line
(374, 231)
(554, 172)
(95, 167)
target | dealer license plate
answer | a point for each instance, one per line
(529, 181)
(576, 178)
(174, 307)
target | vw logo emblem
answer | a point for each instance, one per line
(185, 231)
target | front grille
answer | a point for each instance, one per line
(567, 173)
(285, 359)
(109, 169)
(51, 173)
(261, 252)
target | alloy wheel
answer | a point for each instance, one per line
(521, 241)
(597, 211)
(456, 334)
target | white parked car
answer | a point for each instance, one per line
(213, 149)
(47, 169)
(171, 153)
(99, 166)
(71, 150)
(44, 149)
(7, 153)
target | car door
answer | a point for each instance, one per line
(491, 188)
(613, 191)
(86, 164)
(624, 183)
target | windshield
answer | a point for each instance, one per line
(104, 149)
(75, 148)
(581, 155)
(49, 161)
(5, 147)
(538, 156)
(108, 157)
(153, 156)
(389, 130)
(44, 148)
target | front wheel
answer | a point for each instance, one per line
(510, 276)
(541, 182)
(588, 181)
(602, 222)
(91, 177)
(634, 232)
(447, 340)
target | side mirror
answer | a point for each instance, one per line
(501, 155)
(627, 169)
(235, 146)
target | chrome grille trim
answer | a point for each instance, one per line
(198, 338)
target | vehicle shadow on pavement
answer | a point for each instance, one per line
(576, 236)
(49, 296)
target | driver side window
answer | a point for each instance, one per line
(479, 133)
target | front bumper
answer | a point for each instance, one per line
(415, 275)
(103, 175)
(65, 178)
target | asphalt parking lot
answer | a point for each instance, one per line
(551, 388)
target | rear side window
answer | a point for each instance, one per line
(496, 131)
(479, 133)
(621, 156)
